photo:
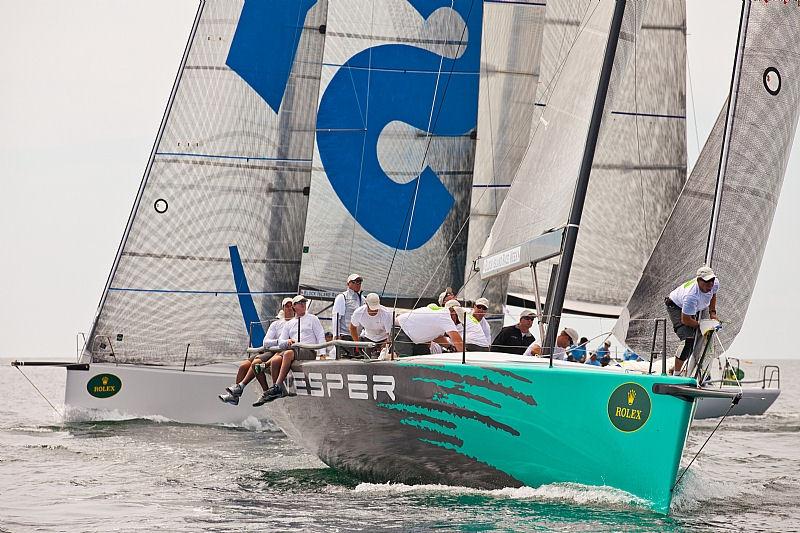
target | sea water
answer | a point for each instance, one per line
(152, 474)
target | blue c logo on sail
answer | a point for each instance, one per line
(398, 83)
(265, 43)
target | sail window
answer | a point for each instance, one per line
(772, 81)
(160, 206)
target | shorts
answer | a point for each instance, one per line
(304, 354)
(405, 347)
(475, 348)
(683, 331)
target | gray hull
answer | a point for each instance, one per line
(755, 401)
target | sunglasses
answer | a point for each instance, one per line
(357, 281)
(483, 307)
(527, 318)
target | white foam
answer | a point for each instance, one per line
(555, 492)
(255, 424)
(694, 490)
(82, 414)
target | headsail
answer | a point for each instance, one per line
(216, 230)
(395, 146)
(640, 163)
(542, 192)
(512, 40)
(761, 134)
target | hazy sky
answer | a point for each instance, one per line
(83, 88)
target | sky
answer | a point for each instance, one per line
(84, 85)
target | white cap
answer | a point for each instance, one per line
(373, 301)
(452, 303)
(299, 298)
(705, 273)
(353, 277)
(280, 314)
(286, 300)
(482, 301)
(572, 334)
(527, 312)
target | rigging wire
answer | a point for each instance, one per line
(59, 413)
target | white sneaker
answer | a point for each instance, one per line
(235, 389)
(229, 398)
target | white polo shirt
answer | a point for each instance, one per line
(691, 299)
(424, 324)
(311, 331)
(475, 332)
(376, 328)
(274, 333)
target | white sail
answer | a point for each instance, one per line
(541, 194)
(512, 40)
(640, 162)
(215, 236)
(763, 126)
(395, 146)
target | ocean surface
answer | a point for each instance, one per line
(153, 474)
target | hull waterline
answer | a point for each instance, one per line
(489, 424)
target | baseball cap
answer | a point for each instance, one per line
(452, 303)
(572, 334)
(353, 277)
(705, 273)
(299, 298)
(373, 301)
(527, 312)
(482, 301)
(286, 300)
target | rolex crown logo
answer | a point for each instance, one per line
(104, 379)
(631, 396)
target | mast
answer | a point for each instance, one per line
(726, 140)
(571, 231)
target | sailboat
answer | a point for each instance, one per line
(360, 127)
(471, 418)
(215, 236)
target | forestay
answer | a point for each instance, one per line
(395, 146)
(222, 195)
(640, 162)
(761, 135)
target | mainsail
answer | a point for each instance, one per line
(216, 230)
(640, 163)
(392, 176)
(761, 131)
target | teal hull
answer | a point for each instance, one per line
(491, 424)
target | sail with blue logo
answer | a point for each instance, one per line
(215, 236)
(395, 145)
